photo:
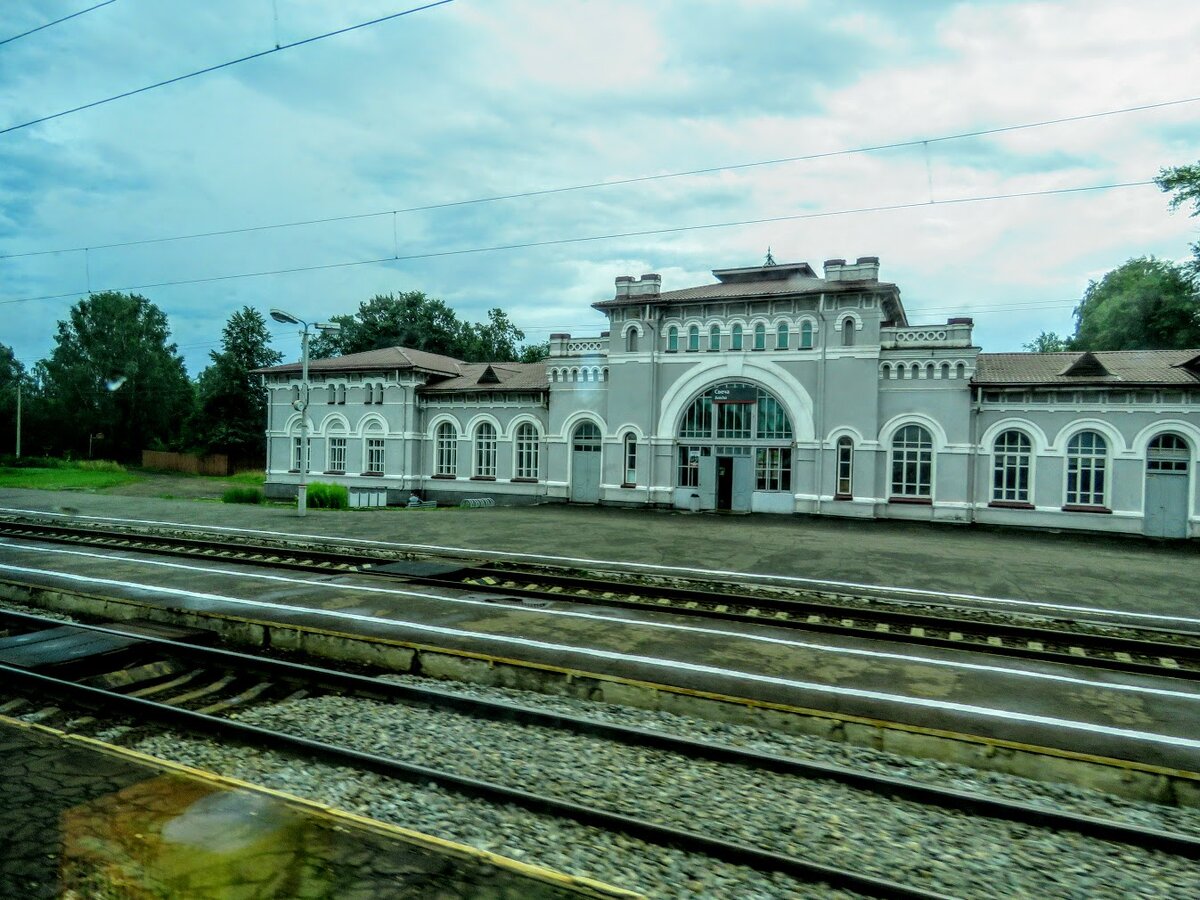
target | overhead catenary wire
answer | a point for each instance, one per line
(646, 232)
(9, 40)
(224, 65)
(616, 182)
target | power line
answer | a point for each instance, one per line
(55, 22)
(923, 204)
(224, 65)
(541, 192)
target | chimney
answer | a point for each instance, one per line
(649, 285)
(867, 268)
(623, 282)
(833, 269)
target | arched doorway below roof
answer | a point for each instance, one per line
(585, 463)
(1167, 469)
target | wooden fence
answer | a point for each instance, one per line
(213, 464)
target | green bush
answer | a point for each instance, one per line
(99, 465)
(242, 495)
(8, 461)
(328, 496)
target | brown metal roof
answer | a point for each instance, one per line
(375, 361)
(1124, 367)
(748, 289)
(509, 377)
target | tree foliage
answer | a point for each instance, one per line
(1183, 183)
(1145, 304)
(413, 319)
(232, 409)
(12, 374)
(1048, 342)
(113, 373)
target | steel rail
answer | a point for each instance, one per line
(311, 559)
(886, 785)
(652, 832)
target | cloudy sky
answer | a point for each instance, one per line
(479, 98)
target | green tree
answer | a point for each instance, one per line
(1183, 183)
(1145, 304)
(112, 373)
(531, 353)
(232, 407)
(413, 319)
(1048, 342)
(12, 374)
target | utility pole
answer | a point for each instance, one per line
(18, 418)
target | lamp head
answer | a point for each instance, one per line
(284, 317)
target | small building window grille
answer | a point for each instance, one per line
(1168, 453)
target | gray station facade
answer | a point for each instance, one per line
(773, 389)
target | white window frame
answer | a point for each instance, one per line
(844, 471)
(446, 450)
(714, 338)
(485, 451)
(913, 450)
(783, 336)
(630, 458)
(526, 452)
(376, 455)
(336, 463)
(1085, 467)
(772, 468)
(1012, 464)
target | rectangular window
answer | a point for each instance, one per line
(296, 461)
(912, 472)
(845, 469)
(527, 454)
(374, 456)
(337, 454)
(630, 460)
(1085, 480)
(773, 469)
(485, 456)
(446, 457)
(689, 465)
(1010, 477)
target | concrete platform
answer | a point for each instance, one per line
(83, 819)
(1150, 720)
(1095, 571)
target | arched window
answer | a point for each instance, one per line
(341, 394)
(960, 371)
(848, 332)
(714, 338)
(368, 393)
(379, 394)
(781, 336)
(945, 370)
(446, 451)
(631, 338)
(1167, 453)
(736, 411)
(694, 338)
(295, 392)
(760, 336)
(845, 469)
(912, 463)
(929, 370)
(485, 451)
(331, 391)
(672, 339)
(806, 336)
(586, 437)
(527, 451)
(735, 338)
(630, 459)
(1010, 467)
(1087, 460)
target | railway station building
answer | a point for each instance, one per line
(772, 389)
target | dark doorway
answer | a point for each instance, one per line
(724, 482)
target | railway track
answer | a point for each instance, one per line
(1135, 650)
(51, 670)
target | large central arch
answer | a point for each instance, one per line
(790, 393)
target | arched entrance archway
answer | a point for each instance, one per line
(1166, 510)
(585, 463)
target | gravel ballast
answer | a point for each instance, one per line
(822, 821)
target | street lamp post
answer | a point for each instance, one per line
(301, 404)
